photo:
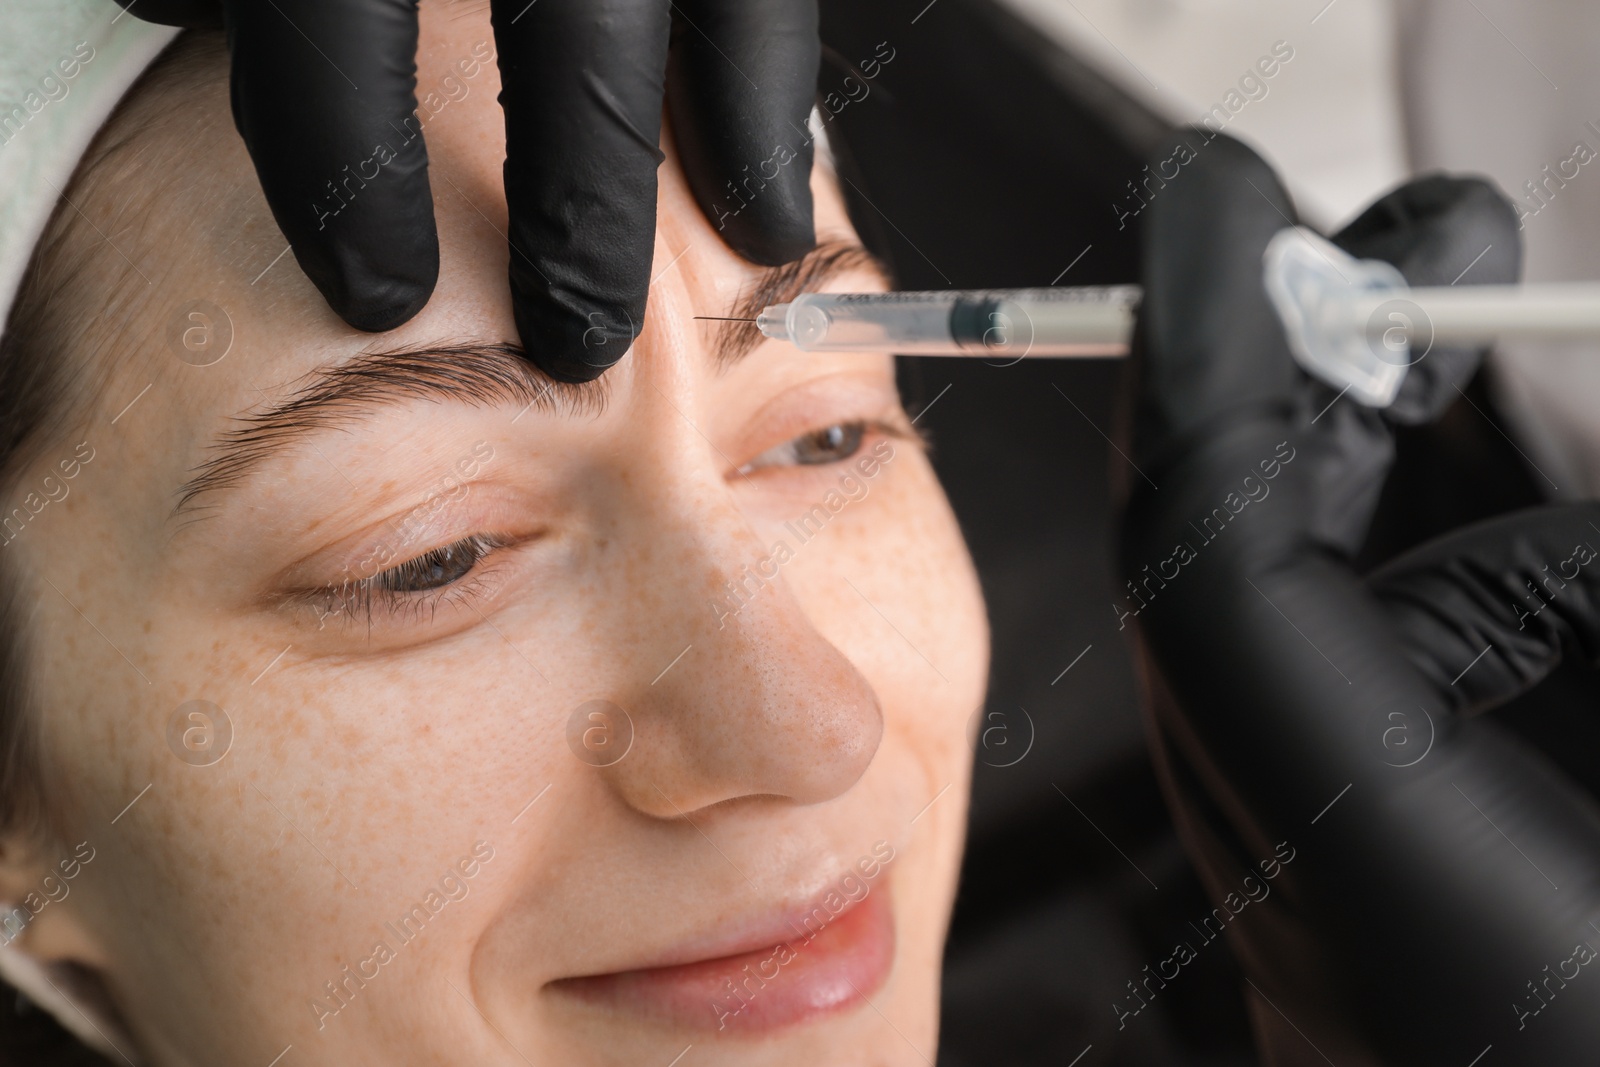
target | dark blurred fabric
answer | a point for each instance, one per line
(30, 1037)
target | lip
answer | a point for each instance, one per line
(761, 983)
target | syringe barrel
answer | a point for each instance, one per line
(1003, 323)
(854, 322)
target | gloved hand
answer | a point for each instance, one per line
(1401, 882)
(318, 83)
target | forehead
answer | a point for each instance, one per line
(206, 313)
(173, 219)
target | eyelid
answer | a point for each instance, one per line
(869, 427)
(848, 394)
(478, 583)
(480, 507)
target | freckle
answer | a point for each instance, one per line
(295, 722)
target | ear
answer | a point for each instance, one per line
(22, 871)
(55, 960)
(37, 876)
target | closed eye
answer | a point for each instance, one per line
(416, 586)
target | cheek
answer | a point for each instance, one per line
(333, 770)
(917, 630)
(914, 624)
(330, 773)
(902, 540)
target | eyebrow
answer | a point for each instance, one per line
(338, 395)
(779, 285)
(478, 374)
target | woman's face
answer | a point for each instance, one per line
(541, 723)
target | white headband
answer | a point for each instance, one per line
(64, 64)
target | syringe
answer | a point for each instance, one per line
(999, 323)
(1353, 323)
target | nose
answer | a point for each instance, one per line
(760, 703)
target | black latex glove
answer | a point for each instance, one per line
(1393, 872)
(318, 83)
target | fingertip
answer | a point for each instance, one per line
(769, 241)
(1441, 229)
(389, 310)
(763, 211)
(572, 345)
(1209, 344)
(746, 151)
(1195, 164)
(767, 219)
(338, 148)
(377, 289)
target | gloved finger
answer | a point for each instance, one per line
(1439, 231)
(190, 14)
(1278, 673)
(323, 94)
(1210, 346)
(1287, 685)
(1487, 611)
(1432, 229)
(1408, 854)
(741, 79)
(582, 86)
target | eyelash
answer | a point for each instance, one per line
(361, 595)
(854, 432)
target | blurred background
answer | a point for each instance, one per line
(997, 148)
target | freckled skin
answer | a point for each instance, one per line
(771, 756)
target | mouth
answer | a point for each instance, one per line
(830, 963)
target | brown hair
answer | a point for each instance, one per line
(69, 321)
(72, 320)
